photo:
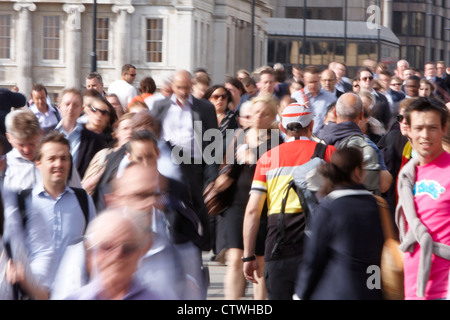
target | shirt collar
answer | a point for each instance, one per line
(173, 98)
(40, 190)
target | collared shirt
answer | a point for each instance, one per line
(47, 120)
(73, 137)
(20, 173)
(92, 291)
(177, 126)
(32, 245)
(318, 104)
(63, 216)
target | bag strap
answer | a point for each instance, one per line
(21, 196)
(386, 219)
(83, 202)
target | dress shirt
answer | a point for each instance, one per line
(73, 137)
(48, 120)
(318, 104)
(63, 216)
(177, 126)
(20, 173)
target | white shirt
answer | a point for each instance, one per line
(47, 120)
(124, 91)
(177, 126)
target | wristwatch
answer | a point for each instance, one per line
(251, 258)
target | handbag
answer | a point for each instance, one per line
(391, 264)
(217, 202)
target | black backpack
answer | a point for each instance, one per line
(79, 192)
(305, 192)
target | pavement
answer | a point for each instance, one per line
(217, 271)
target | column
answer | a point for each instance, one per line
(122, 43)
(73, 44)
(24, 46)
(185, 38)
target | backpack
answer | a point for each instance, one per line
(371, 164)
(79, 192)
(305, 184)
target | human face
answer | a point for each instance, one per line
(181, 87)
(424, 90)
(385, 81)
(114, 254)
(130, 75)
(144, 152)
(116, 104)
(440, 69)
(312, 83)
(328, 81)
(403, 123)
(426, 133)
(339, 70)
(429, 70)
(40, 100)
(355, 86)
(71, 106)
(138, 188)
(396, 85)
(251, 89)
(54, 163)
(219, 99)
(407, 73)
(124, 131)
(411, 88)
(94, 84)
(235, 92)
(26, 147)
(366, 81)
(98, 115)
(262, 116)
(266, 83)
(401, 66)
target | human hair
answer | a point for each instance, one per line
(22, 124)
(349, 110)
(145, 120)
(361, 70)
(94, 75)
(266, 70)
(268, 100)
(94, 94)
(427, 82)
(127, 67)
(39, 87)
(248, 81)
(426, 104)
(73, 91)
(202, 78)
(311, 70)
(142, 136)
(208, 93)
(339, 171)
(386, 73)
(237, 83)
(55, 137)
(243, 71)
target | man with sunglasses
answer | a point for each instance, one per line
(380, 109)
(123, 87)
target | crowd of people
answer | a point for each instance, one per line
(103, 189)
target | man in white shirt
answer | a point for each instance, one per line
(123, 87)
(47, 115)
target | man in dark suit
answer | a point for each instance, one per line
(184, 120)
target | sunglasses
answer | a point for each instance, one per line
(367, 78)
(399, 117)
(217, 96)
(132, 74)
(103, 112)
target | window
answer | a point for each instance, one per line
(154, 40)
(51, 38)
(412, 24)
(102, 39)
(5, 36)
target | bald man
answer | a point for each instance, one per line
(328, 82)
(184, 120)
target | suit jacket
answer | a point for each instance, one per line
(202, 110)
(104, 184)
(197, 176)
(90, 144)
(381, 110)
